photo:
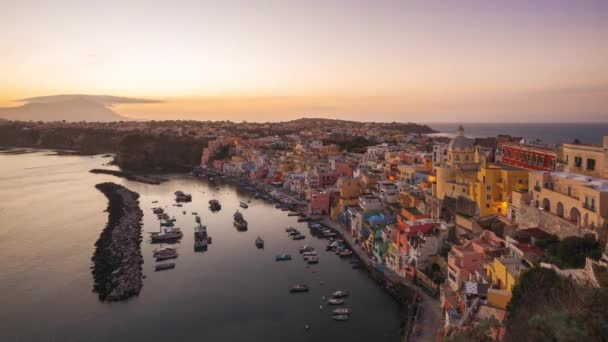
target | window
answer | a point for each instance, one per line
(591, 164)
(484, 179)
(578, 161)
(488, 197)
(489, 187)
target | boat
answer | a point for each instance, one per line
(157, 210)
(293, 214)
(200, 238)
(194, 213)
(282, 257)
(166, 234)
(340, 317)
(164, 250)
(161, 267)
(299, 288)
(312, 259)
(290, 229)
(259, 242)
(197, 219)
(239, 221)
(345, 253)
(180, 196)
(244, 205)
(340, 294)
(298, 237)
(166, 256)
(330, 234)
(214, 205)
(167, 224)
(310, 253)
(335, 301)
(341, 311)
(306, 248)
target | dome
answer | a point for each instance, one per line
(460, 143)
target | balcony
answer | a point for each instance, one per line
(589, 207)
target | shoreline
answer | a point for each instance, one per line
(117, 260)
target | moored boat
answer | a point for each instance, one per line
(335, 301)
(167, 234)
(161, 267)
(298, 237)
(214, 205)
(259, 242)
(299, 288)
(341, 311)
(239, 221)
(282, 257)
(340, 294)
(244, 205)
(312, 259)
(340, 317)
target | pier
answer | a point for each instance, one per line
(117, 260)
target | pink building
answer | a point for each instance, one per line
(319, 202)
(467, 259)
(326, 179)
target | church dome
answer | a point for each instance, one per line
(460, 143)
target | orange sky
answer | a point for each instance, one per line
(467, 60)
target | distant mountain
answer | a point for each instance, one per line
(69, 108)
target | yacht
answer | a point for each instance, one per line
(299, 288)
(166, 234)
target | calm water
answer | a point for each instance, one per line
(51, 215)
(550, 133)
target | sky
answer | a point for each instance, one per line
(382, 60)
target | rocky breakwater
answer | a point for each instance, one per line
(117, 261)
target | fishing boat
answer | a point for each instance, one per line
(299, 288)
(340, 294)
(298, 237)
(200, 238)
(341, 311)
(310, 253)
(197, 219)
(166, 234)
(244, 205)
(162, 267)
(157, 210)
(340, 317)
(259, 242)
(239, 221)
(214, 205)
(335, 301)
(282, 257)
(164, 250)
(290, 229)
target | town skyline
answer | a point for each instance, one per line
(474, 61)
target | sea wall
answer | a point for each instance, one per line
(117, 260)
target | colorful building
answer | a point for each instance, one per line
(529, 157)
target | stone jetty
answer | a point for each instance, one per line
(117, 260)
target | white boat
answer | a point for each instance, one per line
(166, 234)
(340, 294)
(312, 260)
(340, 317)
(342, 311)
(335, 301)
(161, 267)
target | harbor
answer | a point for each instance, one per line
(205, 284)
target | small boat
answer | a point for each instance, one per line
(179, 205)
(335, 301)
(259, 242)
(180, 196)
(239, 221)
(166, 256)
(167, 234)
(290, 230)
(154, 201)
(299, 288)
(310, 253)
(298, 237)
(200, 238)
(312, 260)
(293, 214)
(157, 210)
(244, 205)
(162, 267)
(340, 294)
(197, 219)
(340, 317)
(164, 250)
(214, 205)
(194, 213)
(345, 253)
(282, 257)
(306, 248)
(342, 311)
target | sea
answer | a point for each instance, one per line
(51, 215)
(548, 133)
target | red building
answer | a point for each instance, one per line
(319, 202)
(529, 157)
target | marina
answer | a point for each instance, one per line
(198, 282)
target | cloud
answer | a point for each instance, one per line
(101, 99)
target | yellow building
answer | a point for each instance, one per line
(349, 189)
(582, 200)
(494, 185)
(503, 274)
(589, 160)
